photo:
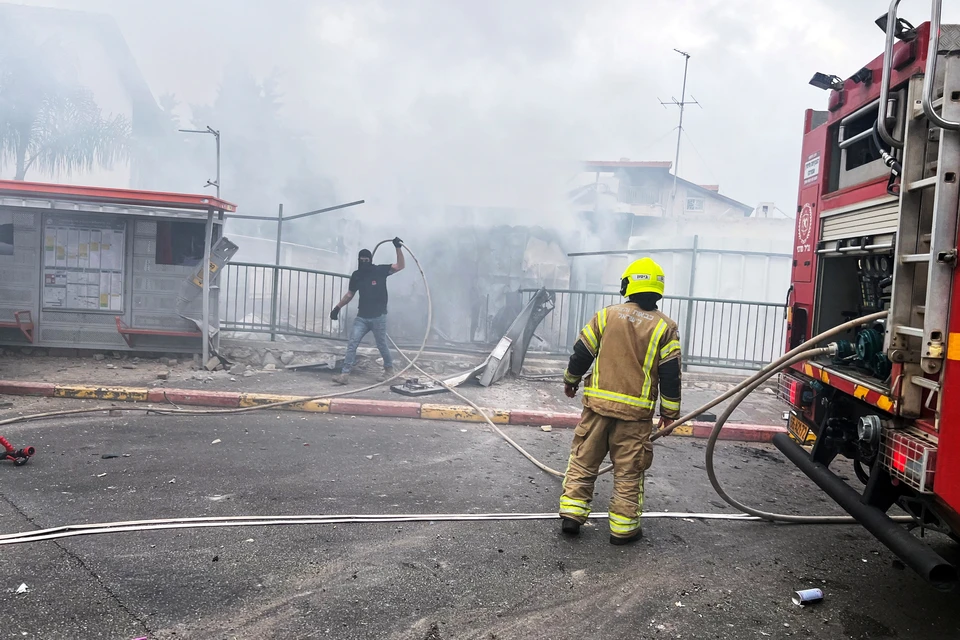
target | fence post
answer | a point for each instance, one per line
(276, 279)
(693, 279)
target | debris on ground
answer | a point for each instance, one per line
(23, 588)
(807, 596)
(546, 428)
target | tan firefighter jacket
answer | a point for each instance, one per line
(629, 345)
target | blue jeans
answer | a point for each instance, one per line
(360, 328)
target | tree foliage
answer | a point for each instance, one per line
(48, 121)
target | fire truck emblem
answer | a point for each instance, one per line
(805, 224)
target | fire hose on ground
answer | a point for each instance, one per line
(804, 351)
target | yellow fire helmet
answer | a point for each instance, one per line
(642, 276)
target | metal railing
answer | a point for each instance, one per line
(735, 334)
(732, 334)
(262, 298)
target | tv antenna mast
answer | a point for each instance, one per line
(682, 102)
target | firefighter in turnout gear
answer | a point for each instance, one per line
(635, 352)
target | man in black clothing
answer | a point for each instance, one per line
(370, 281)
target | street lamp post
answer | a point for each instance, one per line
(216, 134)
(207, 245)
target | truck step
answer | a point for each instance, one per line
(909, 331)
(917, 185)
(920, 381)
(920, 309)
(915, 257)
(918, 112)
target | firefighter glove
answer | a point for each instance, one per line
(570, 390)
(397, 242)
(335, 314)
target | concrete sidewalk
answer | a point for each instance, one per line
(760, 408)
(177, 398)
(171, 382)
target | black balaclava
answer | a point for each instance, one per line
(364, 253)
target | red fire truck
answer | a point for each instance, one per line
(877, 232)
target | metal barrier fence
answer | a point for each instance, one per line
(732, 334)
(301, 306)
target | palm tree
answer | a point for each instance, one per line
(48, 121)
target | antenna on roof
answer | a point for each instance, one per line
(682, 102)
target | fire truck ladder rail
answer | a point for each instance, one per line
(927, 223)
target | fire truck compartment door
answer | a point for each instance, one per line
(805, 237)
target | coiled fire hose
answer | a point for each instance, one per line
(805, 351)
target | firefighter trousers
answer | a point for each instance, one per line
(631, 452)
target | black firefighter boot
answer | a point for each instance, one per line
(569, 526)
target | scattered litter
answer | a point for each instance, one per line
(863, 560)
(463, 430)
(163, 376)
(22, 588)
(129, 366)
(217, 441)
(689, 520)
(546, 428)
(661, 627)
(678, 604)
(108, 456)
(172, 481)
(369, 457)
(100, 475)
(126, 455)
(249, 540)
(111, 366)
(306, 444)
(216, 558)
(807, 596)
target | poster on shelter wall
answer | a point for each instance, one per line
(84, 263)
(6, 233)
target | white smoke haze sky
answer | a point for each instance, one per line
(492, 103)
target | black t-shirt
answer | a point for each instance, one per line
(371, 283)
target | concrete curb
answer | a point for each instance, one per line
(354, 406)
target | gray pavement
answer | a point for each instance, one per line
(685, 579)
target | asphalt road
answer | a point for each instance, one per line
(685, 579)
